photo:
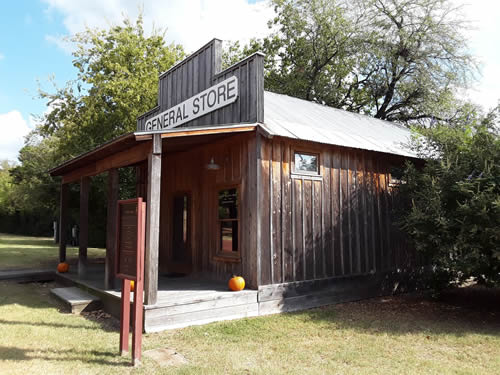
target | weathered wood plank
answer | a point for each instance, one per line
(287, 233)
(250, 197)
(63, 220)
(112, 198)
(265, 205)
(378, 220)
(298, 222)
(338, 243)
(326, 212)
(307, 225)
(199, 317)
(371, 213)
(276, 213)
(344, 214)
(364, 213)
(153, 223)
(357, 212)
(317, 229)
(84, 226)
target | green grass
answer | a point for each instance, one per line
(20, 252)
(407, 334)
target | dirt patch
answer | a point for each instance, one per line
(166, 357)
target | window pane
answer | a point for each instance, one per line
(228, 204)
(229, 236)
(306, 163)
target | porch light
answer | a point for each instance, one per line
(212, 166)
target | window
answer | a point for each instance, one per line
(396, 177)
(228, 221)
(306, 163)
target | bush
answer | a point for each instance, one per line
(453, 201)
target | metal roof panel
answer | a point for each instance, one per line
(291, 117)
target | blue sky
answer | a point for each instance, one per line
(32, 50)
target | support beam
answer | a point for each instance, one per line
(84, 226)
(63, 221)
(153, 222)
(109, 271)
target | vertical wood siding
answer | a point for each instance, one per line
(340, 224)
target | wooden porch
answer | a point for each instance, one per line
(181, 301)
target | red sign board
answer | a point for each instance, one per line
(130, 234)
(130, 238)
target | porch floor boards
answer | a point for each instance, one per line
(182, 301)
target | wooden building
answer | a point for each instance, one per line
(294, 196)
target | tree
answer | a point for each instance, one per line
(117, 80)
(453, 214)
(398, 60)
(415, 57)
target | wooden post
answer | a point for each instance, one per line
(84, 226)
(125, 317)
(153, 222)
(109, 271)
(63, 221)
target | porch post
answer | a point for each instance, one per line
(109, 271)
(63, 221)
(84, 226)
(153, 222)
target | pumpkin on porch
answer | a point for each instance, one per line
(62, 267)
(236, 283)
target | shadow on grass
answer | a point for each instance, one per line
(69, 355)
(102, 325)
(415, 313)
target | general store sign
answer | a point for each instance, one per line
(215, 97)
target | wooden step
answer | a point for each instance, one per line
(76, 299)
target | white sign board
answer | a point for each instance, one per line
(215, 97)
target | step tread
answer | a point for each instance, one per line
(74, 296)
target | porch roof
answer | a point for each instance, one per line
(174, 140)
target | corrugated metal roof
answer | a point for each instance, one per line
(300, 119)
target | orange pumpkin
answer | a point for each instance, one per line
(132, 285)
(62, 267)
(237, 283)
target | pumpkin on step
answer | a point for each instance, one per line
(236, 283)
(62, 267)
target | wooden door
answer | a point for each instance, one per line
(181, 233)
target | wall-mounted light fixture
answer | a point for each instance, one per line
(212, 166)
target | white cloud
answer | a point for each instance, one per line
(189, 22)
(13, 128)
(61, 42)
(2, 56)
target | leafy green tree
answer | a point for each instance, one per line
(453, 214)
(398, 60)
(5, 186)
(117, 80)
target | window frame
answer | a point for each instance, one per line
(220, 255)
(298, 173)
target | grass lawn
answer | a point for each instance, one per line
(18, 252)
(395, 335)
(407, 334)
